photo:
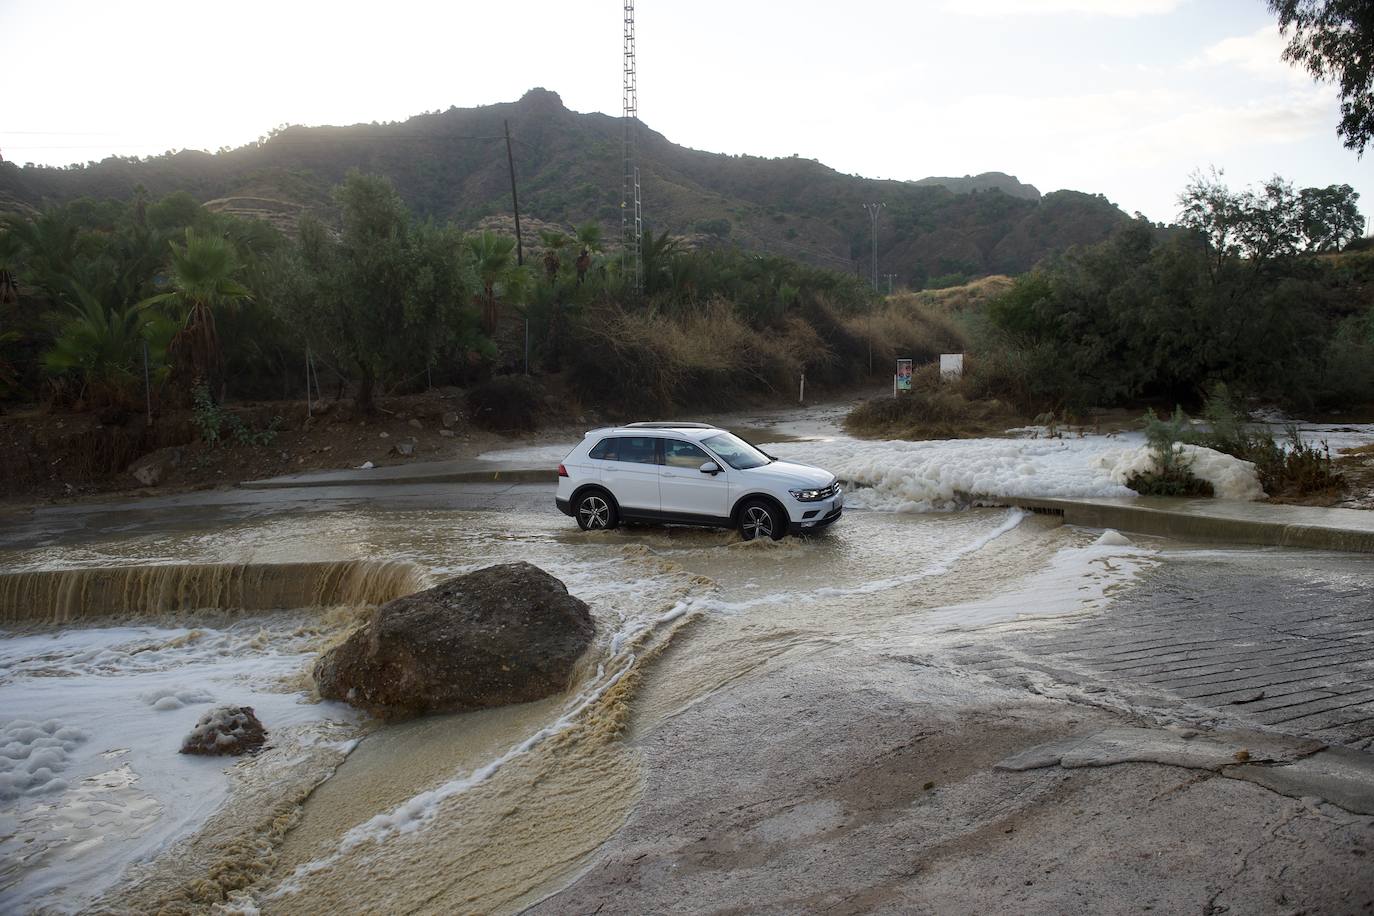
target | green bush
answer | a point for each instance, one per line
(1173, 476)
(1175, 480)
(1290, 470)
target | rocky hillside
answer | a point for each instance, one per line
(987, 181)
(452, 165)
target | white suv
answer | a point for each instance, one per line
(692, 474)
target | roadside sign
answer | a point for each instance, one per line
(902, 380)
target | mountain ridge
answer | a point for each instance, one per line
(452, 165)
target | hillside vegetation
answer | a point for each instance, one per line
(451, 166)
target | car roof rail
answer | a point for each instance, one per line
(664, 424)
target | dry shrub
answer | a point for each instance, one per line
(638, 361)
(934, 408)
(907, 331)
(968, 297)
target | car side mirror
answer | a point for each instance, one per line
(710, 467)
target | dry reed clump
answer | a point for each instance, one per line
(710, 356)
(907, 331)
(968, 297)
(647, 360)
(932, 409)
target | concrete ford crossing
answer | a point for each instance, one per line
(692, 474)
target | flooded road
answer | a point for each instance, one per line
(511, 801)
(776, 689)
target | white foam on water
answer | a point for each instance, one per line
(82, 698)
(940, 475)
(1336, 436)
(32, 754)
(1230, 477)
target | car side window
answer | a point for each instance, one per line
(679, 454)
(637, 449)
(604, 450)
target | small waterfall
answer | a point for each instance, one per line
(72, 595)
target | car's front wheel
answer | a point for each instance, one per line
(596, 511)
(761, 519)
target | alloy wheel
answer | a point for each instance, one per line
(595, 513)
(758, 522)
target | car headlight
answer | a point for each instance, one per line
(810, 496)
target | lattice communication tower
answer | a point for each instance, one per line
(631, 210)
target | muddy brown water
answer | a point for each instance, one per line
(488, 812)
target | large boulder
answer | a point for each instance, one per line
(504, 634)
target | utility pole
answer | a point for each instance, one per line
(890, 277)
(515, 201)
(873, 210)
(631, 212)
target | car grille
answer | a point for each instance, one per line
(827, 492)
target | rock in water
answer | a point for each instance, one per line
(504, 634)
(226, 730)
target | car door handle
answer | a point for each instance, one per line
(669, 474)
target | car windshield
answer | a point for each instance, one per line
(735, 452)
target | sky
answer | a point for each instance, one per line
(1125, 98)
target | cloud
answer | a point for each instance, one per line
(1259, 54)
(1127, 9)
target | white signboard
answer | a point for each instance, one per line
(951, 365)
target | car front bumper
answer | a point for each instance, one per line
(820, 523)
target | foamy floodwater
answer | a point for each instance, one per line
(483, 811)
(945, 474)
(90, 777)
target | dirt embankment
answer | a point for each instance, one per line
(50, 455)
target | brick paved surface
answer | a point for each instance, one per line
(1275, 639)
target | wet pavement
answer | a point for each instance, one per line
(1219, 520)
(1269, 639)
(814, 724)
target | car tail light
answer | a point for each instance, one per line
(562, 471)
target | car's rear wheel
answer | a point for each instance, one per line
(760, 519)
(596, 511)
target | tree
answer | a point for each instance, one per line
(387, 297)
(51, 244)
(1211, 209)
(1270, 226)
(1272, 223)
(1330, 217)
(201, 277)
(589, 236)
(102, 346)
(1334, 41)
(492, 257)
(655, 258)
(554, 243)
(9, 259)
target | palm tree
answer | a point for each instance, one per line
(656, 260)
(554, 243)
(100, 345)
(52, 241)
(493, 261)
(9, 258)
(589, 236)
(201, 280)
